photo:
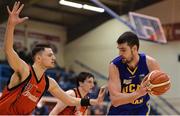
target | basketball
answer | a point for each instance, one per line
(157, 82)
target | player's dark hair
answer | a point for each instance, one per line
(83, 76)
(130, 38)
(38, 48)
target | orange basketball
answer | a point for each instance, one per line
(157, 82)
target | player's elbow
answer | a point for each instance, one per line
(113, 98)
(71, 102)
(117, 103)
(114, 103)
(7, 50)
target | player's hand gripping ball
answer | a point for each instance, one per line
(157, 82)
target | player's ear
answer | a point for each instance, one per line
(134, 48)
(80, 83)
(38, 57)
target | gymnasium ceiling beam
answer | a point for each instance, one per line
(59, 10)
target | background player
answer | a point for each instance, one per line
(85, 82)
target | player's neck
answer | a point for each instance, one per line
(134, 62)
(82, 91)
(39, 70)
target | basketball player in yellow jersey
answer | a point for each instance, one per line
(28, 83)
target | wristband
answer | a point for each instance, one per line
(85, 102)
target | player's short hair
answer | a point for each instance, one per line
(130, 38)
(83, 76)
(38, 48)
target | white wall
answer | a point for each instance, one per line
(44, 28)
(96, 48)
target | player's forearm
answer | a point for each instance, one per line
(77, 101)
(124, 98)
(9, 35)
(56, 91)
(72, 101)
(93, 101)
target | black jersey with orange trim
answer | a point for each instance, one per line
(23, 98)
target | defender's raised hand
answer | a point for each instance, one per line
(14, 18)
(101, 94)
(100, 97)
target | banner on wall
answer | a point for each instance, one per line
(172, 31)
(33, 38)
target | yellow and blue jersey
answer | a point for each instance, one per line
(130, 82)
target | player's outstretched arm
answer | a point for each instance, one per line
(15, 62)
(59, 107)
(56, 91)
(114, 87)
